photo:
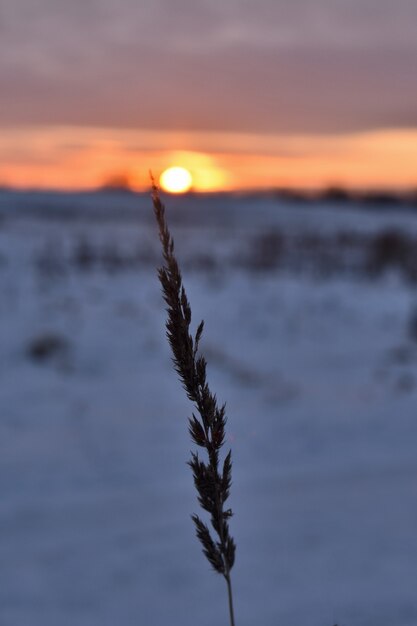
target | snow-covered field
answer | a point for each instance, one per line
(319, 371)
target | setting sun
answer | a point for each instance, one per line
(176, 180)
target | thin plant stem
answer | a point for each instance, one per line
(230, 598)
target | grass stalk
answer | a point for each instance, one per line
(212, 478)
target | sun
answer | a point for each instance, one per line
(176, 180)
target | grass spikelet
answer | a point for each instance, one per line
(212, 479)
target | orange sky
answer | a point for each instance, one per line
(85, 158)
(247, 94)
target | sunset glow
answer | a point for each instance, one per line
(176, 180)
(72, 158)
(275, 94)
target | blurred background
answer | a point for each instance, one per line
(284, 137)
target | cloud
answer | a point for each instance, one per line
(242, 65)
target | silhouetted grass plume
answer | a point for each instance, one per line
(207, 429)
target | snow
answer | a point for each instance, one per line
(320, 377)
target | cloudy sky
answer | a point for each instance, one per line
(214, 77)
